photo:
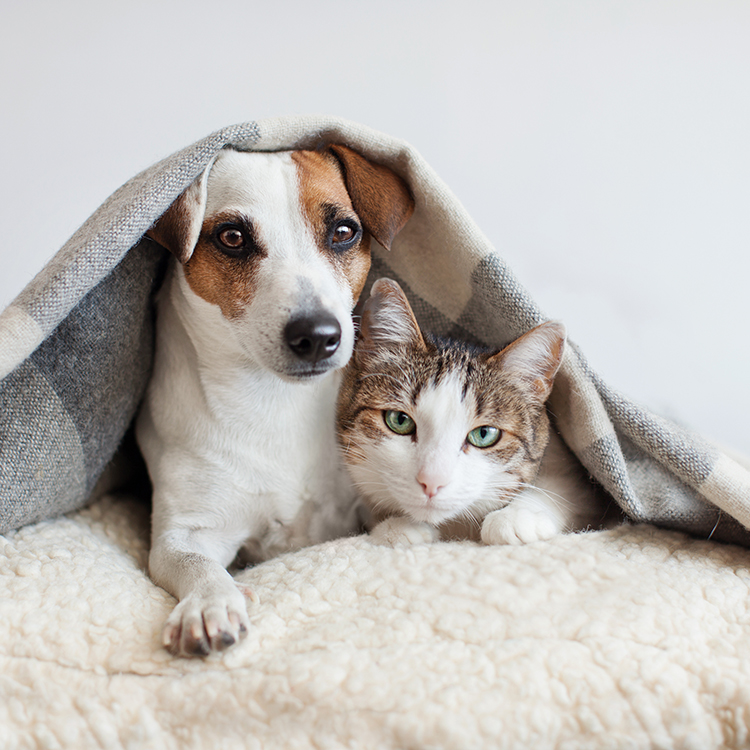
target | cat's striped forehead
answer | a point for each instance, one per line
(408, 372)
(404, 374)
(434, 368)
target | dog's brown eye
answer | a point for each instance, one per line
(232, 238)
(343, 233)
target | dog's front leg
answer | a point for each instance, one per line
(211, 614)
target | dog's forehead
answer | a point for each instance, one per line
(253, 180)
(245, 180)
(320, 180)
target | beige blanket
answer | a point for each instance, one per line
(632, 638)
(76, 345)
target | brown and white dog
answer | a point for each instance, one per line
(254, 321)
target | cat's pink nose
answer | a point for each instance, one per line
(431, 483)
(430, 489)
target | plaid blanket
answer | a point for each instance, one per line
(76, 345)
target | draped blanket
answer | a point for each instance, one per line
(77, 343)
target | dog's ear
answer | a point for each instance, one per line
(179, 227)
(380, 197)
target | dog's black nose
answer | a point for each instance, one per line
(313, 338)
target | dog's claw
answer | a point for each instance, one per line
(198, 648)
(223, 641)
(247, 592)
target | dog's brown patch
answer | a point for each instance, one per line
(178, 226)
(323, 195)
(218, 278)
(380, 197)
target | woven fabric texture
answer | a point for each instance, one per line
(76, 345)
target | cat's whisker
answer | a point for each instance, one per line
(377, 503)
(470, 517)
(350, 449)
(553, 497)
(503, 491)
(378, 485)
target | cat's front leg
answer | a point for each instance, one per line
(532, 516)
(402, 530)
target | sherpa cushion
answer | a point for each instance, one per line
(632, 638)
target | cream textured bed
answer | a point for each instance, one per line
(631, 638)
(636, 637)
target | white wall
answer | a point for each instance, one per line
(602, 146)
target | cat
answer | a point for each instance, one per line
(447, 441)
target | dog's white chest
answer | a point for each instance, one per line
(278, 437)
(276, 444)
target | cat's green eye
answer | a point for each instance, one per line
(399, 422)
(484, 436)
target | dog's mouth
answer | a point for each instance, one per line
(305, 372)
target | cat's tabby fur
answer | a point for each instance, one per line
(435, 480)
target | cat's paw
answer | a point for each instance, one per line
(399, 530)
(516, 524)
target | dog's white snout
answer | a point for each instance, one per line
(313, 337)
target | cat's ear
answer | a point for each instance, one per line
(536, 356)
(387, 319)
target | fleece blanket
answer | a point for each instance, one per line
(76, 345)
(629, 638)
(632, 637)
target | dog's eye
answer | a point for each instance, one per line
(232, 238)
(344, 235)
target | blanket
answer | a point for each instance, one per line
(630, 638)
(76, 345)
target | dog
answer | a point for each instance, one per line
(254, 321)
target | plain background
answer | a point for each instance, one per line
(604, 147)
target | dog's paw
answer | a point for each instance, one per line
(207, 623)
(399, 530)
(516, 524)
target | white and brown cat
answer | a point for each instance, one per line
(444, 440)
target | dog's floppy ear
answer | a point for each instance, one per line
(179, 227)
(380, 197)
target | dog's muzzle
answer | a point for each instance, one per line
(313, 338)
